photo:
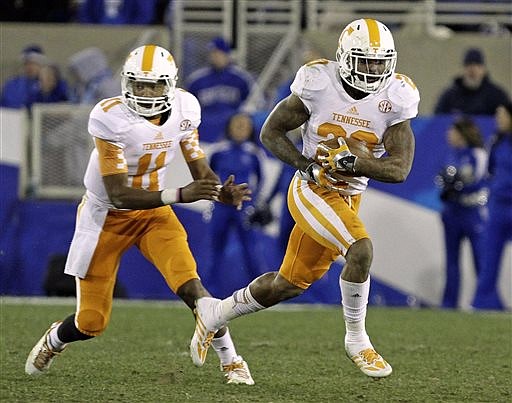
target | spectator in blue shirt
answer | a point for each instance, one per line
(472, 93)
(286, 221)
(263, 214)
(239, 156)
(52, 88)
(117, 12)
(221, 89)
(464, 197)
(499, 227)
(39, 82)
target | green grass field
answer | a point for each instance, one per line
(295, 355)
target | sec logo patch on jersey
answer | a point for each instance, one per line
(185, 124)
(385, 106)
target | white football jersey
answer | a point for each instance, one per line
(127, 142)
(334, 113)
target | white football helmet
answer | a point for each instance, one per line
(149, 64)
(361, 41)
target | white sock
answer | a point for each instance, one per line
(240, 303)
(53, 340)
(224, 348)
(354, 298)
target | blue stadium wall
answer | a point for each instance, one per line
(32, 231)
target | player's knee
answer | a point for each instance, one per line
(270, 289)
(285, 289)
(91, 322)
(360, 255)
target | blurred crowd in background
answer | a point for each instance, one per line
(151, 12)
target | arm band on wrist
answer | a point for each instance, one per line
(170, 196)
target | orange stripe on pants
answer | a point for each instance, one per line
(317, 241)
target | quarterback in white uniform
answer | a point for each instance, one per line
(354, 115)
(136, 135)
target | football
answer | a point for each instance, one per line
(359, 148)
(356, 147)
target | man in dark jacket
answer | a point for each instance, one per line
(472, 93)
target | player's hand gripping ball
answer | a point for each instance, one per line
(339, 155)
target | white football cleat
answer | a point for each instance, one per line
(370, 362)
(41, 356)
(237, 372)
(206, 327)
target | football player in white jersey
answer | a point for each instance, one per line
(136, 135)
(354, 115)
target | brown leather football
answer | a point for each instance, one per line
(356, 147)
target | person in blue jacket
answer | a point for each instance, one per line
(52, 87)
(39, 82)
(239, 156)
(221, 88)
(499, 226)
(280, 187)
(286, 221)
(473, 92)
(464, 197)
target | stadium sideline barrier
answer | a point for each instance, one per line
(403, 221)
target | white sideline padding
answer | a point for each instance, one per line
(13, 132)
(409, 250)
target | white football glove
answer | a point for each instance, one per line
(336, 159)
(322, 177)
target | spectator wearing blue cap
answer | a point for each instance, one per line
(37, 82)
(472, 93)
(221, 88)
